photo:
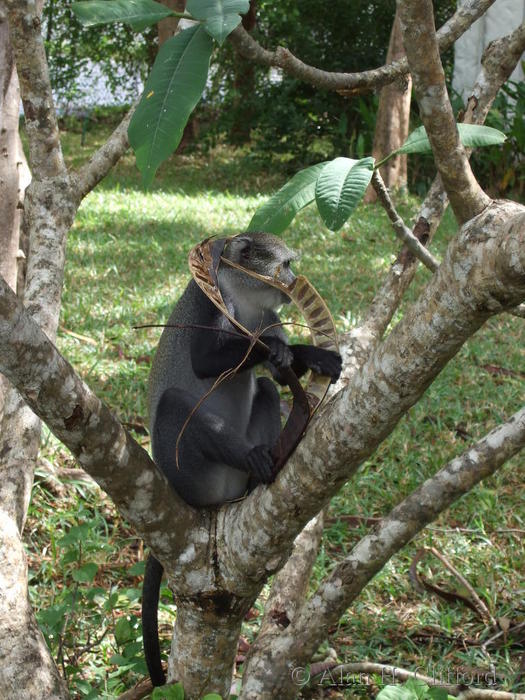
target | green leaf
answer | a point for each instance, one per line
(418, 687)
(395, 692)
(211, 696)
(471, 135)
(137, 569)
(76, 533)
(277, 213)
(138, 13)
(172, 90)
(220, 16)
(123, 630)
(168, 692)
(340, 188)
(85, 573)
(437, 693)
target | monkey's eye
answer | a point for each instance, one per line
(286, 264)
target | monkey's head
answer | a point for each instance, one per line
(265, 254)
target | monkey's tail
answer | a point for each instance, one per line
(150, 622)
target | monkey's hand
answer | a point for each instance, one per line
(327, 362)
(321, 361)
(259, 463)
(280, 356)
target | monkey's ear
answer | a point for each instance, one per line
(238, 248)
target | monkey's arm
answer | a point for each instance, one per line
(215, 351)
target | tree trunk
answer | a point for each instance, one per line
(204, 644)
(11, 170)
(393, 117)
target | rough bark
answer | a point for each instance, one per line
(289, 589)
(393, 120)
(417, 22)
(205, 643)
(277, 677)
(9, 189)
(12, 170)
(350, 83)
(20, 430)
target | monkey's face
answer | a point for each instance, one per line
(265, 254)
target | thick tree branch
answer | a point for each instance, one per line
(85, 425)
(290, 585)
(417, 23)
(45, 154)
(353, 82)
(460, 297)
(299, 640)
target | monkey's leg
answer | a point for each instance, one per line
(215, 459)
(265, 419)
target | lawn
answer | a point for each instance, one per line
(126, 266)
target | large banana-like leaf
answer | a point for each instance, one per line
(277, 213)
(137, 13)
(340, 188)
(471, 135)
(172, 90)
(220, 16)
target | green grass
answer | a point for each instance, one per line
(126, 266)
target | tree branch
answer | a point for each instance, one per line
(298, 641)
(91, 173)
(45, 153)
(497, 63)
(86, 426)
(246, 45)
(27, 669)
(417, 23)
(408, 518)
(289, 586)
(460, 297)
(401, 229)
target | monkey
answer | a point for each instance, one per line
(224, 450)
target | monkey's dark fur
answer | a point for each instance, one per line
(225, 448)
